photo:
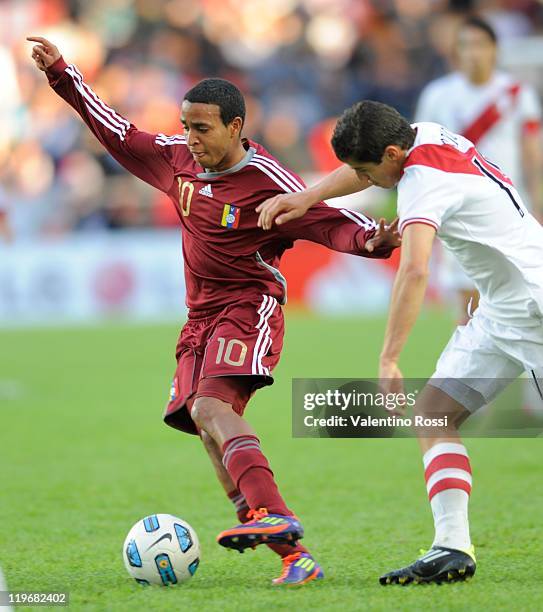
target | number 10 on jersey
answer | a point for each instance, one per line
(186, 189)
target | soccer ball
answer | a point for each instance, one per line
(161, 549)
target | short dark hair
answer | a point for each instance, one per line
(221, 92)
(480, 24)
(367, 128)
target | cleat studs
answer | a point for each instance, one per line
(450, 576)
(235, 539)
(462, 571)
(402, 580)
(389, 580)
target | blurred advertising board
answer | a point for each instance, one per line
(139, 276)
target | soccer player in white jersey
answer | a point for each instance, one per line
(5, 231)
(499, 114)
(445, 188)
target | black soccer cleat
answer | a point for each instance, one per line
(438, 565)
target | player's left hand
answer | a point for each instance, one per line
(385, 236)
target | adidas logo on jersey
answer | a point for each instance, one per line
(206, 191)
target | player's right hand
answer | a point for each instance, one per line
(45, 54)
(283, 208)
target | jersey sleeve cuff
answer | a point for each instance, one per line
(422, 220)
(56, 70)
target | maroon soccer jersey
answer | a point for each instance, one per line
(227, 257)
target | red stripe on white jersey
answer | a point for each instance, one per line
(443, 157)
(449, 159)
(489, 117)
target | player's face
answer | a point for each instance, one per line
(387, 173)
(210, 141)
(476, 53)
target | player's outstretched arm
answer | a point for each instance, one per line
(343, 230)
(406, 301)
(144, 155)
(289, 206)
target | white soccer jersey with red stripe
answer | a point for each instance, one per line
(480, 218)
(494, 116)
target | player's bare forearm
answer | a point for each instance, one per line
(289, 206)
(406, 301)
(342, 181)
(409, 289)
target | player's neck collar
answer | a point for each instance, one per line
(241, 164)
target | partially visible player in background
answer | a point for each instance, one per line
(499, 114)
(4, 591)
(5, 229)
(233, 338)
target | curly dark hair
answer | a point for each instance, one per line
(367, 128)
(221, 92)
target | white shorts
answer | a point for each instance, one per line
(483, 357)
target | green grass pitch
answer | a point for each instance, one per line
(84, 454)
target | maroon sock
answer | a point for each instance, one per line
(239, 504)
(283, 550)
(251, 473)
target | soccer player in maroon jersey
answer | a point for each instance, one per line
(233, 337)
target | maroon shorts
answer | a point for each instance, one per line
(228, 354)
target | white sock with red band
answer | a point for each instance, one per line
(448, 481)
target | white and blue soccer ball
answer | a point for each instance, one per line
(161, 549)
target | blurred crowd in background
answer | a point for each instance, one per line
(299, 63)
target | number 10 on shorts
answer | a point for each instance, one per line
(231, 352)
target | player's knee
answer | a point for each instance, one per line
(204, 412)
(434, 403)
